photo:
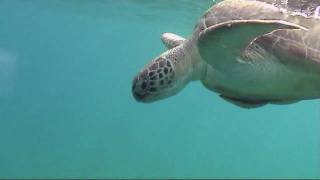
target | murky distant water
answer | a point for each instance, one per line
(66, 108)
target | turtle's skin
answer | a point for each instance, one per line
(251, 52)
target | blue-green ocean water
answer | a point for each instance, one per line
(66, 109)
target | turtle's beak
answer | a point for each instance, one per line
(136, 94)
(139, 89)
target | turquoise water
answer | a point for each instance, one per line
(66, 108)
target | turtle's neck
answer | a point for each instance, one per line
(197, 65)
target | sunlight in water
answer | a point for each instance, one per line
(66, 108)
(7, 73)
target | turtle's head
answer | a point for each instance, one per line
(163, 77)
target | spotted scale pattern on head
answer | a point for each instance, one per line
(160, 75)
(165, 76)
(157, 77)
(176, 55)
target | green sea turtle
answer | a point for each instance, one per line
(250, 52)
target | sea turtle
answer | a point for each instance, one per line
(250, 52)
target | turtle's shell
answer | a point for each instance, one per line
(299, 12)
(265, 50)
(302, 7)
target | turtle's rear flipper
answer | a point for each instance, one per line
(244, 103)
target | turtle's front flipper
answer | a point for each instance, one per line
(220, 45)
(171, 40)
(244, 103)
(296, 49)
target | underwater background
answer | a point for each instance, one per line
(66, 109)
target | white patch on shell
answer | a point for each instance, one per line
(317, 12)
